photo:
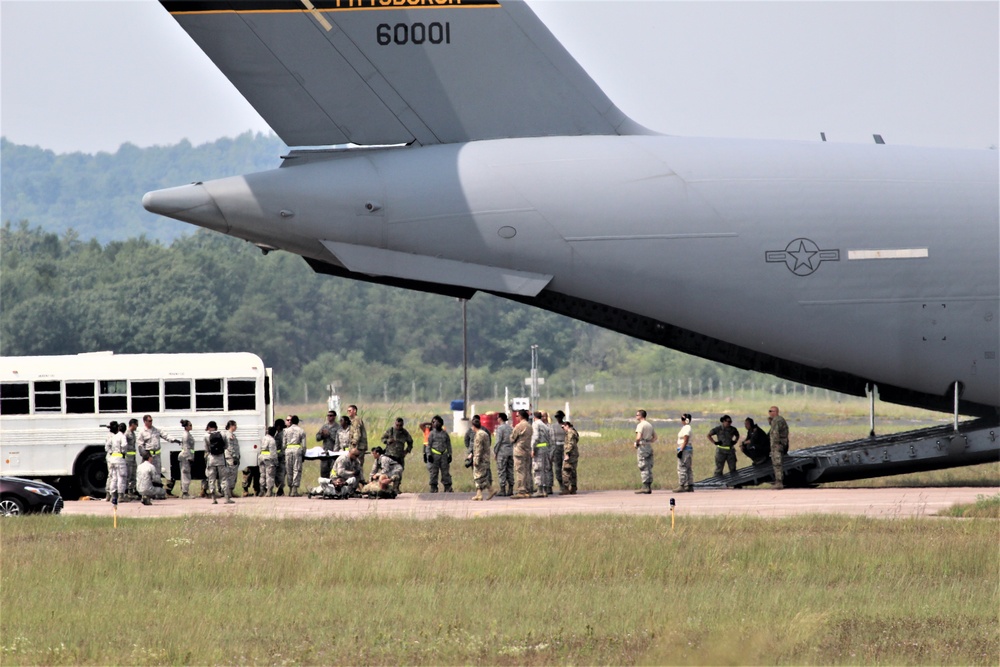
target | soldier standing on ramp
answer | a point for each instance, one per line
(645, 436)
(779, 444)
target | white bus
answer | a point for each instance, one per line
(54, 410)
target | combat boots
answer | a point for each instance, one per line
(646, 489)
(434, 488)
(447, 488)
(491, 493)
(479, 495)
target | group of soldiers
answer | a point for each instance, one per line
(758, 446)
(129, 479)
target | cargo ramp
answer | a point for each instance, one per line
(948, 446)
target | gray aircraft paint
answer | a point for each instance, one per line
(835, 265)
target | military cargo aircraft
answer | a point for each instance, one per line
(475, 154)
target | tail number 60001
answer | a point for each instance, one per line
(413, 33)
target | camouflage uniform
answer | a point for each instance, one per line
(118, 472)
(504, 453)
(645, 436)
(384, 465)
(779, 447)
(130, 463)
(557, 440)
(216, 475)
(756, 446)
(148, 439)
(726, 438)
(279, 463)
(328, 436)
(520, 438)
(398, 444)
(268, 460)
(439, 459)
(541, 464)
(481, 473)
(685, 477)
(571, 455)
(146, 479)
(232, 458)
(295, 442)
(359, 438)
(347, 470)
(184, 459)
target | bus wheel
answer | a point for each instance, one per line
(92, 474)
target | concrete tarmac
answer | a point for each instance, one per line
(885, 503)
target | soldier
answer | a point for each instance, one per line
(756, 445)
(645, 436)
(328, 436)
(279, 464)
(398, 442)
(385, 477)
(130, 456)
(117, 471)
(359, 434)
(268, 460)
(779, 444)
(216, 473)
(149, 439)
(541, 462)
(520, 439)
(482, 476)
(725, 438)
(347, 473)
(344, 434)
(504, 453)
(232, 453)
(685, 478)
(571, 455)
(147, 480)
(557, 439)
(108, 440)
(295, 443)
(185, 458)
(438, 455)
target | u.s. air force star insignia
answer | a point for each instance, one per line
(802, 256)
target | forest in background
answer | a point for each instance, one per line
(85, 268)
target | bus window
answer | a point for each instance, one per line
(242, 394)
(113, 396)
(48, 396)
(177, 394)
(208, 395)
(80, 398)
(14, 398)
(146, 396)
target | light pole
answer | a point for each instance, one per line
(534, 377)
(465, 363)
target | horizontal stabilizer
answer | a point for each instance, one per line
(393, 264)
(378, 72)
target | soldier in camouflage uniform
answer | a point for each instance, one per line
(279, 464)
(130, 456)
(295, 452)
(185, 458)
(268, 460)
(398, 442)
(685, 478)
(147, 480)
(438, 455)
(482, 475)
(359, 434)
(149, 439)
(571, 455)
(520, 438)
(541, 461)
(725, 437)
(216, 472)
(347, 473)
(328, 436)
(557, 439)
(779, 444)
(385, 476)
(111, 478)
(645, 436)
(503, 450)
(118, 472)
(232, 454)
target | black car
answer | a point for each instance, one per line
(25, 496)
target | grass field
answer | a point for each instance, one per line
(501, 591)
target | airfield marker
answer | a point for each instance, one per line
(672, 504)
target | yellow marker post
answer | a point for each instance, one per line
(672, 504)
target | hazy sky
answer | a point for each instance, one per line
(89, 75)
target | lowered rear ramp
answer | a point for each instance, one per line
(934, 448)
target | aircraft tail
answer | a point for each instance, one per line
(376, 72)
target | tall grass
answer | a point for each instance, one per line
(499, 590)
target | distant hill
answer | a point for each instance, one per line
(100, 196)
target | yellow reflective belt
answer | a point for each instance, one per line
(266, 452)
(435, 451)
(723, 447)
(116, 455)
(542, 444)
(130, 453)
(295, 446)
(154, 452)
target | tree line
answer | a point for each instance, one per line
(211, 293)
